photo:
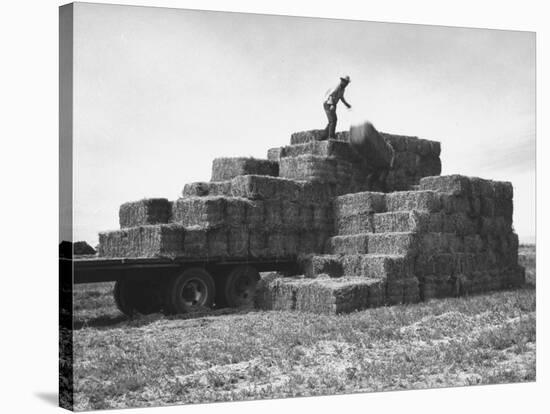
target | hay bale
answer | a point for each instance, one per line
(314, 265)
(503, 190)
(261, 187)
(307, 242)
(200, 211)
(274, 154)
(143, 212)
(407, 221)
(355, 224)
(217, 243)
(235, 211)
(257, 244)
(488, 206)
(255, 214)
(290, 216)
(322, 217)
(321, 239)
(197, 189)
(161, 240)
(391, 222)
(305, 217)
(237, 243)
(263, 298)
(366, 202)
(276, 242)
(220, 188)
(328, 148)
(457, 185)
(473, 243)
(413, 200)
(308, 168)
(352, 244)
(406, 161)
(452, 204)
(504, 208)
(195, 243)
(387, 267)
(372, 146)
(333, 296)
(273, 214)
(224, 169)
(460, 224)
(393, 243)
(278, 293)
(307, 136)
(398, 142)
(314, 192)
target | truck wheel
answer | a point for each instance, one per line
(133, 297)
(191, 290)
(123, 298)
(240, 286)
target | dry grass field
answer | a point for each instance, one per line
(238, 355)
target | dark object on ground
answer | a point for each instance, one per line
(83, 248)
(368, 142)
(79, 248)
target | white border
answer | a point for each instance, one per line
(29, 131)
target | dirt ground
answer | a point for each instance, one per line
(229, 355)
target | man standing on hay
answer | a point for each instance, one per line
(331, 99)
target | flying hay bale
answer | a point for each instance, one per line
(161, 240)
(143, 212)
(224, 169)
(367, 141)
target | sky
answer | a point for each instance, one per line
(159, 93)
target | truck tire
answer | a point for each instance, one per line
(240, 286)
(191, 290)
(123, 298)
(136, 297)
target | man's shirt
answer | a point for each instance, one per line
(333, 95)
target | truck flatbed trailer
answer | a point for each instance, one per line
(176, 284)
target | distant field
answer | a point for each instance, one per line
(231, 355)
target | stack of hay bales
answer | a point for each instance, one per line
(334, 162)
(313, 202)
(451, 237)
(247, 217)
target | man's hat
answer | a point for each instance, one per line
(346, 79)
